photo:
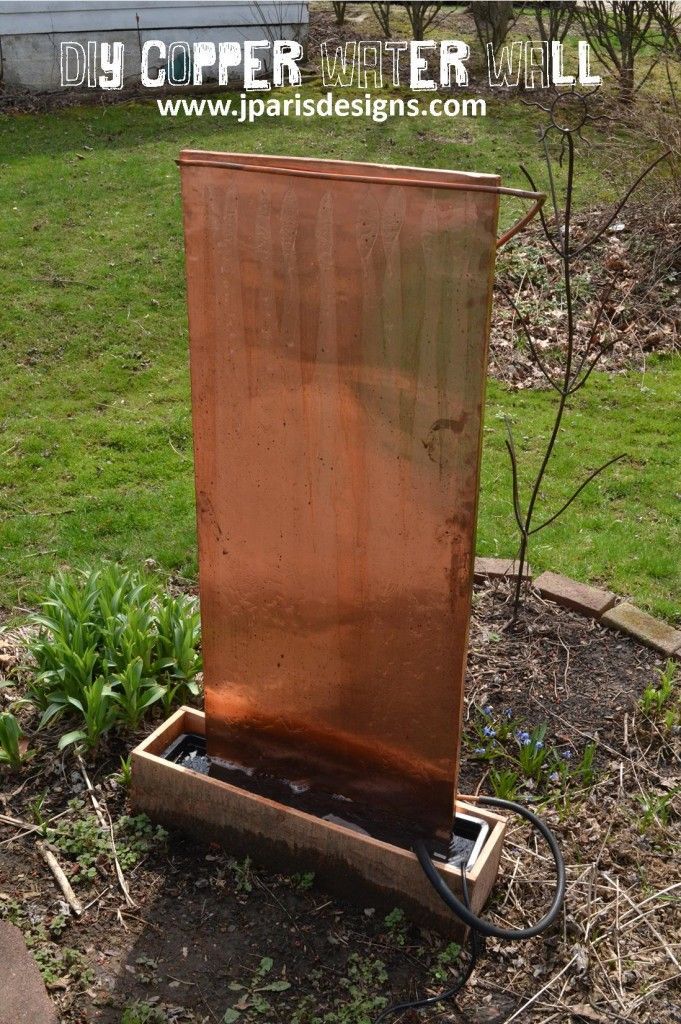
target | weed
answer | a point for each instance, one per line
(143, 1013)
(11, 735)
(255, 995)
(396, 927)
(36, 809)
(124, 777)
(12, 911)
(661, 701)
(146, 970)
(445, 961)
(241, 871)
(56, 962)
(303, 880)
(86, 843)
(358, 1002)
(504, 783)
(57, 925)
(658, 809)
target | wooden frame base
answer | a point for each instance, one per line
(345, 862)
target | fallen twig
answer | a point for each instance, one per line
(60, 877)
(104, 818)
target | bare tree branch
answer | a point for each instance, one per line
(579, 490)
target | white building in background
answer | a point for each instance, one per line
(31, 31)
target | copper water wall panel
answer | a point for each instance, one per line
(338, 327)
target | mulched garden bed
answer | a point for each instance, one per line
(641, 254)
(203, 923)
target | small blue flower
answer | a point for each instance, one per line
(538, 745)
(509, 713)
(480, 750)
(489, 710)
(526, 741)
(567, 755)
(489, 731)
(554, 777)
(522, 737)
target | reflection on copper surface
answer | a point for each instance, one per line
(338, 347)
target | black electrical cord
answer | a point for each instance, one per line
(478, 926)
(476, 947)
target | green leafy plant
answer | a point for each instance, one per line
(656, 697)
(84, 841)
(135, 693)
(124, 776)
(241, 872)
(532, 751)
(303, 880)
(36, 807)
(11, 735)
(520, 757)
(98, 712)
(143, 1012)
(658, 809)
(504, 783)
(358, 1002)
(585, 768)
(178, 627)
(444, 961)
(109, 647)
(254, 994)
(396, 926)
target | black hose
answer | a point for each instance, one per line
(465, 913)
(477, 925)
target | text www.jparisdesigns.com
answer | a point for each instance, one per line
(378, 109)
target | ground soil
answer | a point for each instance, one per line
(202, 922)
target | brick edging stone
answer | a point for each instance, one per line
(602, 605)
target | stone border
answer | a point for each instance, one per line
(602, 605)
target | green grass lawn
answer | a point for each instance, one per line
(95, 434)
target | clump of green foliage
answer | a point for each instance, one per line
(520, 756)
(109, 647)
(357, 1001)
(143, 1012)
(85, 842)
(661, 701)
(396, 927)
(56, 962)
(254, 994)
(657, 809)
(11, 735)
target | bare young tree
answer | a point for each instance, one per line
(616, 32)
(493, 22)
(421, 16)
(339, 12)
(554, 20)
(569, 113)
(382, 15)
(668, 17)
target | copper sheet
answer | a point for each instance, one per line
(338, 321)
